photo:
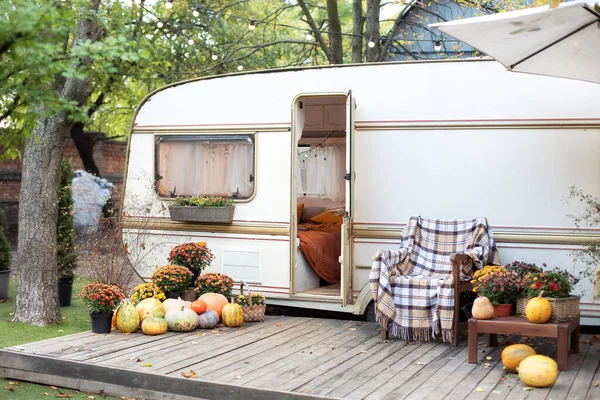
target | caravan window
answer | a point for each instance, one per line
(210, 165)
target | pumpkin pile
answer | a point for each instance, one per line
(533, 369)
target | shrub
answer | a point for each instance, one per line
(66, 258)
(5, 253)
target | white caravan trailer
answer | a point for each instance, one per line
(369, 145)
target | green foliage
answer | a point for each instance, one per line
(66, 257)
(555, 284)
(204, 201)
(5, 253)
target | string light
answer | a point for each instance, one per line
(138, 2)
(252, 25)
(240, 67)
(371, 43)
(159, 24)
(214, 57)
(169, 4)
(309, 35)
(437, 45)
(196, 13)
(191, 42)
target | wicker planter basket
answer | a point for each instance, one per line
(215, 215)
(252, 313)
(563, 309)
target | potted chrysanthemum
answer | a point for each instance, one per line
(101, 299)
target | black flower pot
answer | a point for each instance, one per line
(173, 295)
(4, 283)
(101, 322)
(65, 290)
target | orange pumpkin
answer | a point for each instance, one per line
(513, 355)
(215, 302)
(154, 326)
(199, 306)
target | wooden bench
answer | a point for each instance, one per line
(520, 326)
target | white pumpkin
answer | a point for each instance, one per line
(175, 304)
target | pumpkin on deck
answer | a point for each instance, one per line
(538, 371)
(199, 306)
(208, 320)
(538, 309)
(154, 326)
(482, 308)
(182, 320)
(150, 307)
(233, 315)
(175, 304)
(127, 318)
(215, 302)
(513, 355)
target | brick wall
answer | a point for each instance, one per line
(108, 154)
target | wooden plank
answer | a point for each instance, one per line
(42, 344)
(351, 369)
(411, 377)
(565, 379)
(489, 381)
(594, 391)
(161, 358)
(583, 383)
(272, 361)
(226, 360)
(12, 364)
(391, 354)
(294, 365)
(259, 359)
(477, 374)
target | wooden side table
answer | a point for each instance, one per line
(514, 325)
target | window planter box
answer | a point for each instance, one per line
(214, 215)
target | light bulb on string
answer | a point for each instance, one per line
(138, 2)
(191, 42)
(195, 13)
(159, 24)
(437, 45)
(214, 57)
(240, 67)
(252, 25)
(169, 4)
(309, 35)
(371, 42)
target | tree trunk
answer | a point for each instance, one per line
(373, 7)
(335, 31)
(357, 31)
(37, 286)
(85, 148)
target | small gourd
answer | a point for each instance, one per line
(208, 320)
(538, 309)
(199, 306)
(154, 326)
(128, 320)
(233, 315)
(182, 320)
(482, 308)
(513, 355)
(175, 304)
(538, 371)
(214, 301)
(150, 307)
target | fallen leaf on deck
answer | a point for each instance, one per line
(192, 374)
(363, 351)
(201, 334)
(146, 364)
(246, 362)
(138, 360)
(352, 329)
(480, 389)
(194, 342)
(487, 364)
(76, 349)
(12, 389)
(237, 377)
(528, 388)
(420, 363)
(331, 347)
(310, 352)
(53, 387)
(277, 324)
(488, 358)
(214, 332)
(496, 391)
(597, 383)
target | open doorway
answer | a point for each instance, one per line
(320, 193)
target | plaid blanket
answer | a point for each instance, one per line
(413, 286)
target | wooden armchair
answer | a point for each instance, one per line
(414, 286)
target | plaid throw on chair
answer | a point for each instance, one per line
(413, 287)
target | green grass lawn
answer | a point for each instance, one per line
(76, 318)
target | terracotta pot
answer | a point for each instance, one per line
(502, 310)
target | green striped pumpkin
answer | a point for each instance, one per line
(232, 315)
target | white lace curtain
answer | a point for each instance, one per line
(320, 172)
(205, 168)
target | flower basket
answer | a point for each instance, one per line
(215, 215)
(563, 309)
(252, 312)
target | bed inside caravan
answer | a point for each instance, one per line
(320, 188)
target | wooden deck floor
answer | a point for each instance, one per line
(286, 358)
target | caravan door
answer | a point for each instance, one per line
(346, 256)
